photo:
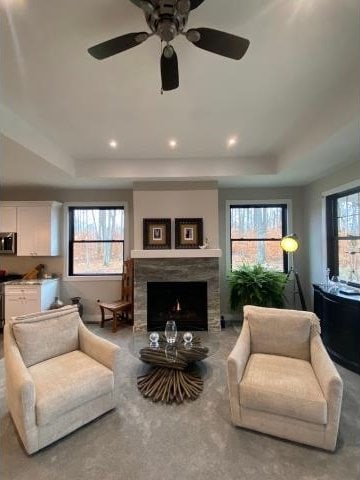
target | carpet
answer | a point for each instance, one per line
(146, 441)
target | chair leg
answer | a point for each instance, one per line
(102, 317)
(114, 322)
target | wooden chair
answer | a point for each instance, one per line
(123, 308)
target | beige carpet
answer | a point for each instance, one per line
(193, 441)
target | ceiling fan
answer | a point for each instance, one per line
(167, 19)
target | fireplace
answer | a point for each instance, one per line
(180, 267)
(184, 302)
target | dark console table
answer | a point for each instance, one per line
(340, 325)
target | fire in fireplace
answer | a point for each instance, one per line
(184, 302)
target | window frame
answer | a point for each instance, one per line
(67, 242)
(285, 204)
(332, 238)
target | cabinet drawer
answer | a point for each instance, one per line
(29, 292)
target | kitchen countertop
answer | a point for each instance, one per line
(39, 281)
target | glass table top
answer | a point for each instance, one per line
(203, 345)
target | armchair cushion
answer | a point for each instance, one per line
(65, 382)
(45, 336)
(279, 332)
(283, 386)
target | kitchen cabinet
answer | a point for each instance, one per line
(23, 297)
(8, 219)
(38, 229)
(37, 225)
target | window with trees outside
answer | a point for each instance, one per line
(343, 235)
(96, 241)
(255, 235)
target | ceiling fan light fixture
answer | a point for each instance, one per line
(167, 30)
(168, 51)
(193, 35)
(141, 37)
(183, 6)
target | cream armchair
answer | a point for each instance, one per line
(281, 379)
(59, 375)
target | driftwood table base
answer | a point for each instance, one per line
(170, 385)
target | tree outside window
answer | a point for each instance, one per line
(96, 240)
(256, 232)
(343, 235)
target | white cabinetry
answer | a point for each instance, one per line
(8, 219)
(37, 225)
(24, 298)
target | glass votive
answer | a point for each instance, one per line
(154, 338)
(187, 337)
(170, 331)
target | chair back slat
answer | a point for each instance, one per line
(127, 283)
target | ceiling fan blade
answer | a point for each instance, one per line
(222, 43)
(195, 3)
(169, 72)
(117, 45)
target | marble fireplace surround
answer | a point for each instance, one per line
(176, 266)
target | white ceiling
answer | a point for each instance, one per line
(292, 101)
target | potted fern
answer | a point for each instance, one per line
(256, 285)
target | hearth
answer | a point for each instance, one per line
(184, 302)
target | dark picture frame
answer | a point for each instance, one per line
(156, 233)
(188, 232)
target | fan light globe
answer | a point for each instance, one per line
(168, 51)
(289, 243)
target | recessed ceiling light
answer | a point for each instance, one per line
(172, 143)
(231, 142)
(113, 143)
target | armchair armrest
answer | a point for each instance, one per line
(236, 364)
(99, 349)
(330, 382)
(20, 388)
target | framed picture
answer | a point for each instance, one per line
(188, 232)
(156, 233)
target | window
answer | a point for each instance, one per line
(96, 240)
(255, 234)
(343, 235)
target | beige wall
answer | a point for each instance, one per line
(177, 204)
(315, 218)
(294, 194)
(208, 203)
(90, 291)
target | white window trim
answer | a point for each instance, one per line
(229, 203)
(91, 278)
(324, 195)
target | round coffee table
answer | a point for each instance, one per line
(174, 377)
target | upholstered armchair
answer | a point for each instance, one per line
(59, 375)
(281, 379)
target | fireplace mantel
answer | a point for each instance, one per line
(178, 253)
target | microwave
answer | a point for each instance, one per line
(7, 243)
